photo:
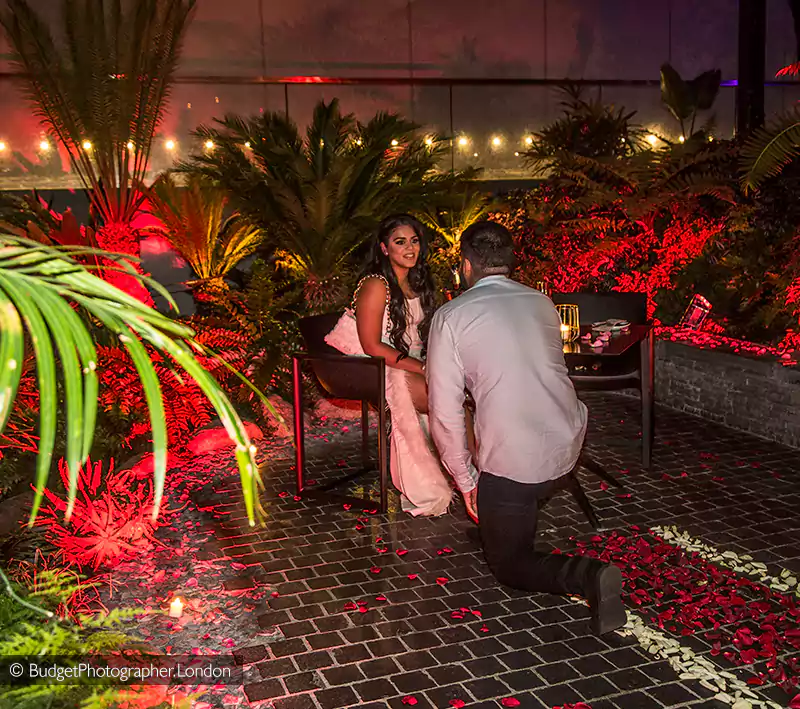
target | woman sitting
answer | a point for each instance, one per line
(394, 303)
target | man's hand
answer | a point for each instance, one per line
(471, 502)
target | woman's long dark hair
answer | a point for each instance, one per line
(419, 278)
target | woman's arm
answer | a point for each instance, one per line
(370, 304)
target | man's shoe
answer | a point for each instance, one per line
(605, 600)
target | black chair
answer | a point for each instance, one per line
(343, 377)
(632, 369)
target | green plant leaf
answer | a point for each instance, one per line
(703, 89)
(675, 93)
(46, 377)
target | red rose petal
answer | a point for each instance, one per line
(484, 628)
(457, 615)
(457, 703)
(442, 580)
(350, 606)
(795, 703)
(402, 552)
(381, 598)
(297, 498)
(509, 702)
(409, 700)
(375, 569)
(412, 576)
(283, 494)
(347, 506)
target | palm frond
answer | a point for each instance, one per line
(192, 220)
(102, 88)
(37, 283)
(319, 198)
(768, 150)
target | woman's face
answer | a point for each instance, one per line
(403, 248)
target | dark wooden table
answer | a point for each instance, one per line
(580, 357)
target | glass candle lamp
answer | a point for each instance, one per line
(570, 322)
(696, 313)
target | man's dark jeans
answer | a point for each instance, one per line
(508, 513)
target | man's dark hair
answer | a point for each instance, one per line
(489, 247)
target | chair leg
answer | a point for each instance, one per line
(580, 497)
(364, 434)
(383, 458)
(648, 400)
(299, 427)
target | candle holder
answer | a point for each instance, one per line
(541, 286)
(695, 314)
(570, 322)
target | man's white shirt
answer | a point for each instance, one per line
(502, 341)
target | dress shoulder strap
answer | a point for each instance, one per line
(366, 278)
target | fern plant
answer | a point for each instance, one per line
(769, 150)
(34, 627)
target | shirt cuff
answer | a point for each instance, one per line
(469, 481)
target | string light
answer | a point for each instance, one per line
(652, 139)
(681, 139)
(2, 146)
(474, 155)
(711, 139)
(87, 146)
(497, 141)
(463, 141)
(359, 141)
(516, 154)
(44, 146)
(429, 141)
(129, 145)
(247, 144)
(395, 143)
(528, 140)
(170, 145)
(209, 145)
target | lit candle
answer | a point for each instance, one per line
(565, 334)
(176, 608)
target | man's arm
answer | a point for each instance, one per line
(446, 404)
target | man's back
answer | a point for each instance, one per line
(506, 339)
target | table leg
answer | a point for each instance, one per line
(299, 433)
(648, 398)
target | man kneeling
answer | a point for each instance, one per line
(502, 341)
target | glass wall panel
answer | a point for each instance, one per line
(612, 39)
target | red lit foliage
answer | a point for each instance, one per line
(110, 521)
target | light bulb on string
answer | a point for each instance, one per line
(170, 145)
(44, 146)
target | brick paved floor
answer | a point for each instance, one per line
(731, 490)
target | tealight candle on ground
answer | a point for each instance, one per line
(176, 608)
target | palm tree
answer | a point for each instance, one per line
(102, 91)
(448, 216)
(192, 220)
(38, 286)
(319, 196)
